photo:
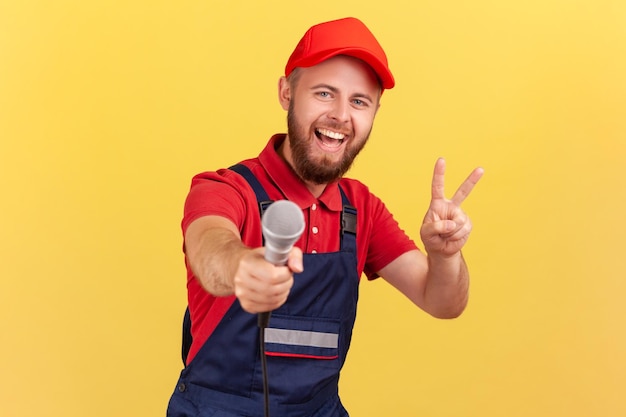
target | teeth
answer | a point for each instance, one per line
(331, 134)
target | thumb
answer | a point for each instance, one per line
(294, 262)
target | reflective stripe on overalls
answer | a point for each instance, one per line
(306, 343)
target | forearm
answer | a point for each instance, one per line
(213, 255)
(446, 291)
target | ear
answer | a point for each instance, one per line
(284, 93)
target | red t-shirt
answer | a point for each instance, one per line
(225, 193)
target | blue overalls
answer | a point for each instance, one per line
(306, 343)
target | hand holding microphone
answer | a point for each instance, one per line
(261, 282)
(283, 224)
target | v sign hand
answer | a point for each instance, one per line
(446, 227)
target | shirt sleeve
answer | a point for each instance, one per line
(387, 240)
(214, 193)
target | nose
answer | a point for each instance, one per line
(339, 111)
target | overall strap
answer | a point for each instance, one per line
(348, 215)
(261, 196)
(348, 224)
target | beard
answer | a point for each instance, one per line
(324, 170)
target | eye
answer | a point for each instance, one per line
(361, 102)
(323, 94)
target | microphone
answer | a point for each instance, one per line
(282, 224)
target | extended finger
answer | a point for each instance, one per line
(468, 185)
(437, 189)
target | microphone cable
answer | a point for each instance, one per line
(282, 225)
(263, 321)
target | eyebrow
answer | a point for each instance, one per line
(336, 90)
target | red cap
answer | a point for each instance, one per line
(348, 36)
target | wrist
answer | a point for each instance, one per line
(440, 256)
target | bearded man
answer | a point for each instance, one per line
(331, 90)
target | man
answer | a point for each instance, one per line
(331, 91)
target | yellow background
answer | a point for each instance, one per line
(107, 108)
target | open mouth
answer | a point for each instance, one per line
(330, 139)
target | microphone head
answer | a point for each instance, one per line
(283, 224)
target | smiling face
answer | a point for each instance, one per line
(331, 108)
